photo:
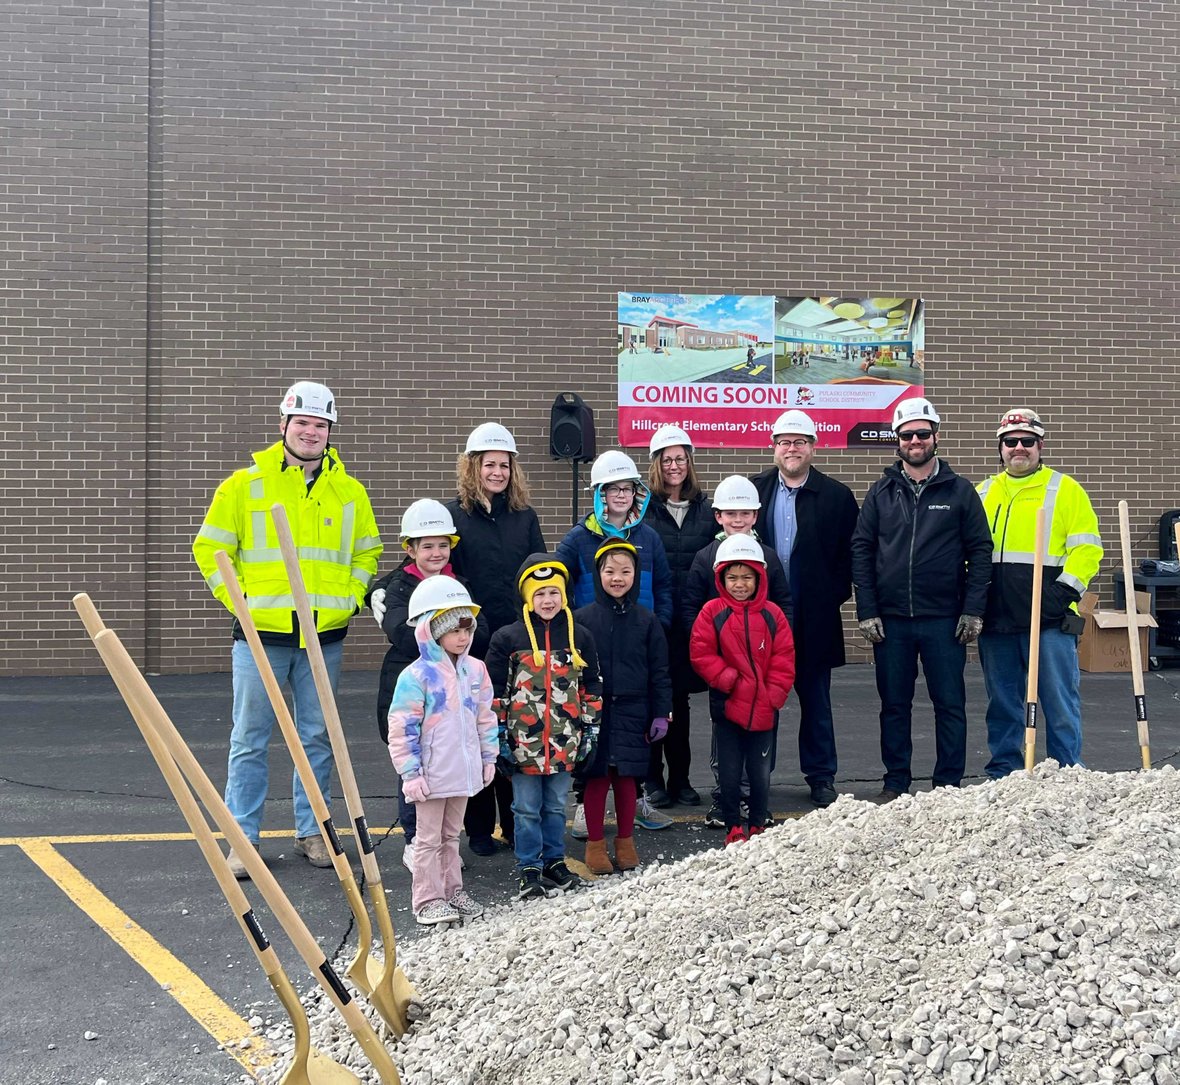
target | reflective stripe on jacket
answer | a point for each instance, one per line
(1073, 548)
(332, 526)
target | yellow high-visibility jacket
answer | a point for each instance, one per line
(333, 528)
(1073, 549)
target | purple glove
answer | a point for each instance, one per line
(489, 774)
(658, 729)
(415, 789)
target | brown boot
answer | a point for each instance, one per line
(597, 860)
(625, 854)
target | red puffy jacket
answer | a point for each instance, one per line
(752, 673)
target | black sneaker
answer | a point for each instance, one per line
(823, 793)
(558, 876)
(530, 884)
(658, 797)
(713, 819)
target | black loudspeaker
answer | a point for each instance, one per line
(571, 429)
(1168, 535)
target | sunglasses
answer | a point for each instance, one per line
(916, 435)
(1024, 442)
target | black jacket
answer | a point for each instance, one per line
(820, 572)
(701, 585)
(399, 585)
(682, 542)
(636, 686)
(926, 555)
(491, 548)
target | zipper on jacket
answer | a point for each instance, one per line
(753, 669)
(547, 731)
(913, 540)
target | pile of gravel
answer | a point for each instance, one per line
(1024, 931)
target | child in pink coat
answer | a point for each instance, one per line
(443, 740)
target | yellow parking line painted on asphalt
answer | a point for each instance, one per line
(148, 838)
(195, 997)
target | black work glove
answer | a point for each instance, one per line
(1056, 599)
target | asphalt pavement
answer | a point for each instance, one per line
(123, 961)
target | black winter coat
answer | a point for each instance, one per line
(399, 585)
(820, 572)
(926, 555)
(491, 548)
(682, 543)
(701, 585)
(636, 686)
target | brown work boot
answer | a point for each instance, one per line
(313, 849)
(625, 854)
(597, 860)
(236, 867)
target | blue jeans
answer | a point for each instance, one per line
(1005, 675)
(740, 751)
(538, 808)
(254, 719)
(933, 641)
(817, 734)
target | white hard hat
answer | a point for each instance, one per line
(490, 437)
(437, 593)
(428, 517)
(736, 492)
(794, 422)
(668, 437)
(1021, 419)
(613, 466)
(915, 410)
(743, 548)
(309, 398)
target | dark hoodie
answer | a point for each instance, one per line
(637, 688)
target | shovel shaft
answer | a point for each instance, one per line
(323, 685)
(1133, 646)
(1034, 646)
(123, 669)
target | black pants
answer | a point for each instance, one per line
(674, 749)
(480, 817)
(740, 751)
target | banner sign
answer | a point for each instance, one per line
(723, 367)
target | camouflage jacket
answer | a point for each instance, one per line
(549, 714)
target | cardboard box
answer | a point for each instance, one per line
(1104, 645)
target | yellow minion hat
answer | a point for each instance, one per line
(545, 571)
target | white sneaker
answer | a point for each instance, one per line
(408, 857)
(648, 817)
(579, 831)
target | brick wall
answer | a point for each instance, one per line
(431, 207)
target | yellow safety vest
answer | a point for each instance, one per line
(1073, 549)
(333, 528)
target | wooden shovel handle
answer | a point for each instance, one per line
(1133, 648)
(1034, 646)
(197, 824)
(323, 685)
(124, 671)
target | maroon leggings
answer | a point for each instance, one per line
(626, 790)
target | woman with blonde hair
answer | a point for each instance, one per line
(498, 531)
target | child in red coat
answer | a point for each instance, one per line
(741, 645)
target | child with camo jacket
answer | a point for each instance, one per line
(544, 673)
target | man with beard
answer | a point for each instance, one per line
(336, 537)
(1073, 552)
(921, 563)
(808, 518)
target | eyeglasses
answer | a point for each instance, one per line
(786, 442)
(619, 491)
(1024, 442)
(915, 435)
(678, 461)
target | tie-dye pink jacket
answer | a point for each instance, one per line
(441, 724)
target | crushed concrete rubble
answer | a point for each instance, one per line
(1015, 932)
